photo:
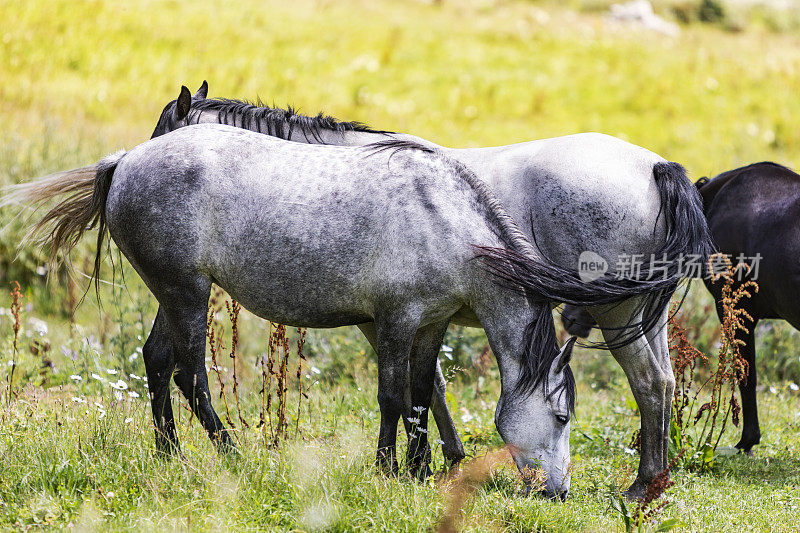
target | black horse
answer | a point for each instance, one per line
(752, 213)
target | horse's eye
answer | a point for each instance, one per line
(563, 420)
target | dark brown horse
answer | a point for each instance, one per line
(752, 213)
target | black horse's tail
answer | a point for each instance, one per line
(687, 246)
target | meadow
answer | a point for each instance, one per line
(81, 79)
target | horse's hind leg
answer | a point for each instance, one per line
(159, 364)
(185, 307)
(658, 339)
(651, 380)
(424, 358)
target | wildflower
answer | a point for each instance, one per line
(133, 394)
(119, 385)
(419, 409)
(773, 390)
(413, 420)
(75, 377)
(99, 405)
(440, 442)
(41, 270)
(39, 326)
(629, 451)
(72, 354)
(118, 395)
(447, 351)
(111, 371)
(316, 370)
(102, 414)
(128, 420)
(466, 417)
(794, 386)
(77, 399)
(422, 430)
(134, 376)
(98, 377)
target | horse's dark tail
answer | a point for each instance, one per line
(83, 193)
(688, 243)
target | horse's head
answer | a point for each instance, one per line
(176, 113)
(535, 426)
(577, 320)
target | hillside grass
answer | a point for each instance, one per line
(80, 79)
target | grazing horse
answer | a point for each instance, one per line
(585, 192)
(327, 236)
(751, 212)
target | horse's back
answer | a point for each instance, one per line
(254, 214)
(588, 180)
(756, 213)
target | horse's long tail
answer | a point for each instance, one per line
(81, 195)
(687, 243)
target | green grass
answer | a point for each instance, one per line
(78, 80)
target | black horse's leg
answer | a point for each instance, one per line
(186, 316)
(424, 355)
(395, 335)
(751, 432)
(159, 364)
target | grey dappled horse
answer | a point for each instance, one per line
(752, 212)
(584, 192)
(327, 236)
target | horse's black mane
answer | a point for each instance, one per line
(274, 121)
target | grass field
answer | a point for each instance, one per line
(81, 79)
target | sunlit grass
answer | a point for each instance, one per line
(78, 80)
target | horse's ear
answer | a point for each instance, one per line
(566, 354)
(183, 104)
(202, 92)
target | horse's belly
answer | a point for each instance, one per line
(311, 301)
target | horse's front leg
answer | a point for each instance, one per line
(395, 335)
(424, 357)
(452, 447)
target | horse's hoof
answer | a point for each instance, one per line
(746, 448)
(636, 491)
(387, 466)
(747, 451)
(452, 460)
(225, 444)
(421, 472)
